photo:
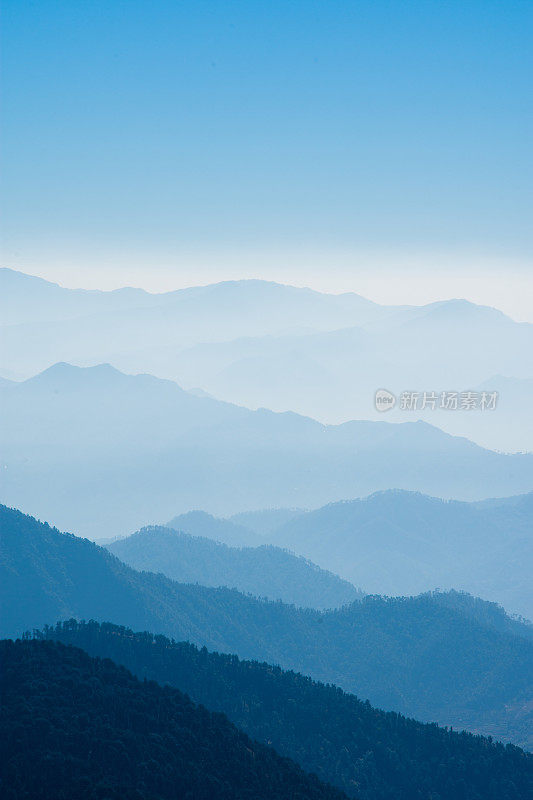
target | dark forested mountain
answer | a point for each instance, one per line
(399, 542)
(73, 726)
(487, 613)
(417, 656)
(370, 754)
(262, 571)
(105, 453)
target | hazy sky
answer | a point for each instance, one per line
(383, 147)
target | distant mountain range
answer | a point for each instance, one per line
(369, 754)
(79, 727)
(44, 323)
(398, 542)
(439, 658)
(264, 521)
(332, 376)
(228, 531)
(27, 298)
(261, 344)
(263, 571)
(104, 453)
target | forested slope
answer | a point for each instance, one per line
(413, 655)
(263, 571)
(370, 754)
(73, 726)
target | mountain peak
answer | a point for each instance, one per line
(63, 371)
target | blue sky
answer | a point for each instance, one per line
(379, 146)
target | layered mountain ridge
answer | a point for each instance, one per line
(418, 656)
(106, 453)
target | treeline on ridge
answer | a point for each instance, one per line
(370, 754)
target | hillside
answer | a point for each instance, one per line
(264, 571)
(398, 542)
(76, 726)
(370, 754)
(417, 656)
(105, 453)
